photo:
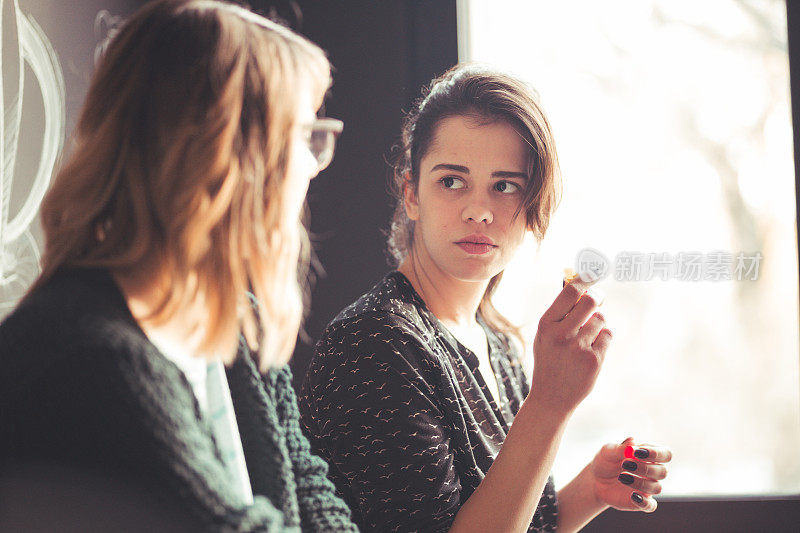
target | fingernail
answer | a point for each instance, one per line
(626, 440)
(641, 453)
(625, 479)
(637, 498)
(629, 452)
(629, 465)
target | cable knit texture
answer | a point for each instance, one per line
(82, 385)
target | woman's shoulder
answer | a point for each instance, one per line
(390, 306)
(75, 321)
(74, 370)
(67, 303)
(73, 306)
(386, 327)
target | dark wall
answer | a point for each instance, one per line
(383, 53)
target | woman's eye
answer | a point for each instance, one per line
(451, 182)
(506, 187)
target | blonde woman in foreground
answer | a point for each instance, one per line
(153, 347)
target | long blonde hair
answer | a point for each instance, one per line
(478, 91)
(180, 158)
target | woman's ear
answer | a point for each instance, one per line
(410, 200)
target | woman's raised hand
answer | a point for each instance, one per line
(569, 349)
(625, 476)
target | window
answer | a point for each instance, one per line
(672, 121)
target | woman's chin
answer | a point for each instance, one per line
(475, 273)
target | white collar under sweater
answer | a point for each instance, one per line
(210, 387)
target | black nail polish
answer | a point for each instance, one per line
(641, 453)
(625, 479)
(636, 497)
(629, 465)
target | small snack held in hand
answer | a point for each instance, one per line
(569, 276)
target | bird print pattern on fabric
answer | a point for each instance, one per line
(399, 409)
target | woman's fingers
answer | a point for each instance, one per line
(649, 470)
(603, 340)
(580, 312)
(613, 459)
(643, 502)
(649, 486)
(592, 328)
(627, 497)
(563, 303)
(637, 469)
(595, 333)
(649, 453)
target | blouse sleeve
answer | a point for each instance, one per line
(369, 409)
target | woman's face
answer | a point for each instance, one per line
(471, 183)
(302, 166)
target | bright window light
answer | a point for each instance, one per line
(672, 121)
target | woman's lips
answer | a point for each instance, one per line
(476, 244)
(475, 248)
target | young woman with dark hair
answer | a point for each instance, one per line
(414, 388)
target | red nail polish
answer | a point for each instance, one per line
(629, 452)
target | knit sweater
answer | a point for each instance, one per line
(82, 385)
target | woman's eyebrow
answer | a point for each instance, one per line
(448, 166)
(503, 174)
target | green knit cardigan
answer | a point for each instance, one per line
(81, 385)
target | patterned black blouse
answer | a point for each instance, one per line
(398, 408)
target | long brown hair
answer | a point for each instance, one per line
(478, 91)
(179, 161)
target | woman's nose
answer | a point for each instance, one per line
(477, 209)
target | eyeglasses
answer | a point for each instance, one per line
(322, 140)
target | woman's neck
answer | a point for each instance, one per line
(144, 295)
(454, 302)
